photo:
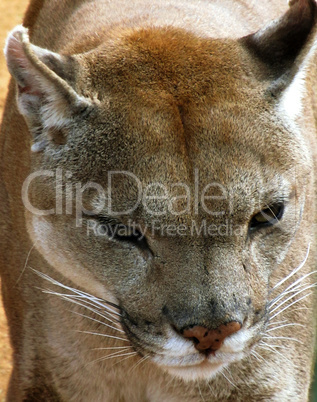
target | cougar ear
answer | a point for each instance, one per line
(45, 99)
(280, 42)
(286, 49)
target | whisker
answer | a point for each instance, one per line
(212, 392)
(113, 347)
(285, 325)
(26, 263)
(170, 382)
(299, 280)
(130, 354)
(200, 393)
(291, 297)
(270, 349)
(65, 297)
(230, 382)
(228, 371)
(277, 346)
(257, 355)
(120, 361)
(284, 293)
(78, 292)
(275, 217)
(294, 271)
(111, 356)
(283, 337)
(104, 335)
(144, 358)
(82, 299)
(276, 322)
(115, 354)
(266, 347)
(108, 317)
(90, 302)
(290, 305)
(100, 322)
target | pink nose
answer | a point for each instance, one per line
(211, 339)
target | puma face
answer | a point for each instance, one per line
(172, 184)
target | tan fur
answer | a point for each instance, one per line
(169, 91)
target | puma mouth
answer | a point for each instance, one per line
(201, 367)
(195, 359)
(204, 370)
(194, 366)
(190, 365)
(179, 357)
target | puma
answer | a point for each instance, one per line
(158, 168)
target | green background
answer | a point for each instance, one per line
(314, 388)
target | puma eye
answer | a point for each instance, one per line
(268, 216)
(119, 231)
(133, 236)
(123, 233)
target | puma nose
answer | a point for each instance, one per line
(211, 339)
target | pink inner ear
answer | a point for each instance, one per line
(20, 67)
(28, 89)
(15, 53)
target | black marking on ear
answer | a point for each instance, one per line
(58, 136)
(281, 41)
(165, 310)
(277, 86)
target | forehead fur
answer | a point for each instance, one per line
(170, 101)
(167, 79)
(166, 59)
